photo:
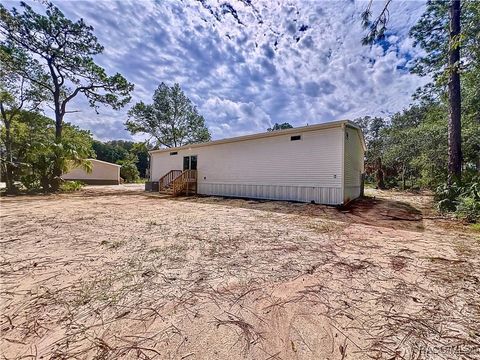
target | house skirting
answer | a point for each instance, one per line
(352, 192)
(320, 195)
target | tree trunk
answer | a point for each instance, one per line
(9, 175)
(380, 175)
(454, 97)
(57, 166)
(9, 171)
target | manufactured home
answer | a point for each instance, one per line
(320, 163)
(103, 173)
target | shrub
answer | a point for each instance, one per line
(70, 186)
(469, 203)
(446, 197)
(461, 199)
(129, 170)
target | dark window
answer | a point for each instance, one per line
(295, 137)
(190, 162)
(193, 162)
(174, 153)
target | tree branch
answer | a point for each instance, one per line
(75, 93)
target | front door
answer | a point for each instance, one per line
(190, 162)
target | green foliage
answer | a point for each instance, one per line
(16, 94)
(376, 27)
(463, 199)
(373, 129)
(413, 146)
(431, 33)
(109, 151)
(61, 52)
(71, 186)
(141, 152)
(129, 171)
(278, 126)
(117, 150)
(57, 55)
(171, 120)
(34, 149)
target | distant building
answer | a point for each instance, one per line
(103, 173)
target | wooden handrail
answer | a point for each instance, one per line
(166, 179)
(185, 182)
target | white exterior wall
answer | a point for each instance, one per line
(354, 164)
(274, 167)
(101, 172)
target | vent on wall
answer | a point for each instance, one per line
(295, 137)
(174, 153)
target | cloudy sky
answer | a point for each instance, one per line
(248, 64)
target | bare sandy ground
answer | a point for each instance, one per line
(111, 272)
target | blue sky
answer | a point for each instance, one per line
(296, 61)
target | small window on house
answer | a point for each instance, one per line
(174, 153)
(295, 137)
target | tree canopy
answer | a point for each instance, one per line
(170, 121)
(448, 32)
(57, 55)
(34, 149)
(278, 126)
(17, 93)
(117, 151)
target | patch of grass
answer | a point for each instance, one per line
(475, 227)
(172, 252)
(117, 244)
(153, 223)
(113, 244)
(71, 186)
(323, 227)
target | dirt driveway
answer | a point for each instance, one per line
(111, 272)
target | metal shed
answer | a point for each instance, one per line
(103, 173)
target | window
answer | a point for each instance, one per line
(190, 162)
(174, 153)
(193, 162)
(295, 137)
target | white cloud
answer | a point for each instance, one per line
(301, 62)
(234, 118)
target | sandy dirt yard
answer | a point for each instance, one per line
(115, 273)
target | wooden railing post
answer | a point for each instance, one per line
(180, 181)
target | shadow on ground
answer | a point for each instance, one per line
(369, 211)
(379, 212)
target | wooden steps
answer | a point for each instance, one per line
(177, 182)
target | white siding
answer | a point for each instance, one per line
(267, 168)
(101, 171)
(354, 157)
